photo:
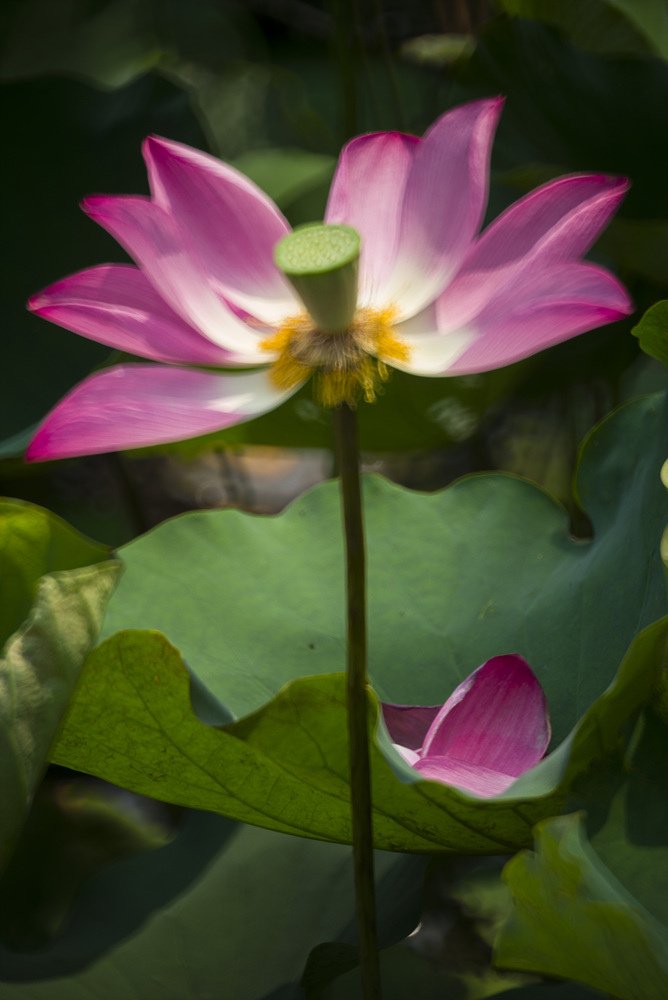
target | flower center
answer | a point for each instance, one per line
(346, 364)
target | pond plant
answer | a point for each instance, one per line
(504, 679)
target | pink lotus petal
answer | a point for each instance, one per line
(233, 224)
(537, 310)
(408, 724)
(444, 202)
(556, 223)
(136, 405)
(566, 300)
(565, 215)
(496, 720)
(410, 756)
(433, 353)
(470, 777)
(167, 258)
(367, 193)
(430, 351)
(116, 305)
(207, 288)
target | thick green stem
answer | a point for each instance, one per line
(345, 421)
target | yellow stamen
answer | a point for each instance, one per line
(336, 387)
(277, 341)
(287, 371)
(347, 365)
(379, 323)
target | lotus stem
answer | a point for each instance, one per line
(345, 422)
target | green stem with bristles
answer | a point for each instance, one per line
(345, 423)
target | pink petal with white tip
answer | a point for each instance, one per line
(566, 215)
(430, 352)
(410, 756)
(231, 222)
(554, 224)
(443, 205)
(566, 300)
(138, 405)
(539, 309)
(469, 777)
(367, 193)
(433, 353)
(171, 264)
(496, 720)
(115, 304)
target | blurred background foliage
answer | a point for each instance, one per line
(275, 87)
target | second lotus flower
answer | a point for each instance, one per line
(492, 729)
(434, 299)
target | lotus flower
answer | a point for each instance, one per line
(492, 729)
(434, 299)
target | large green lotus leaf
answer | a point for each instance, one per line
(574, 919)
(285, 766)
(596, 909)
(51, 605)
(486, 566)
(39, 667)
(627, 815)
(223, 910)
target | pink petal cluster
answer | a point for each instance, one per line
(205, 293)
(492, 728)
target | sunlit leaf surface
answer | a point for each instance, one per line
(54, 584)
